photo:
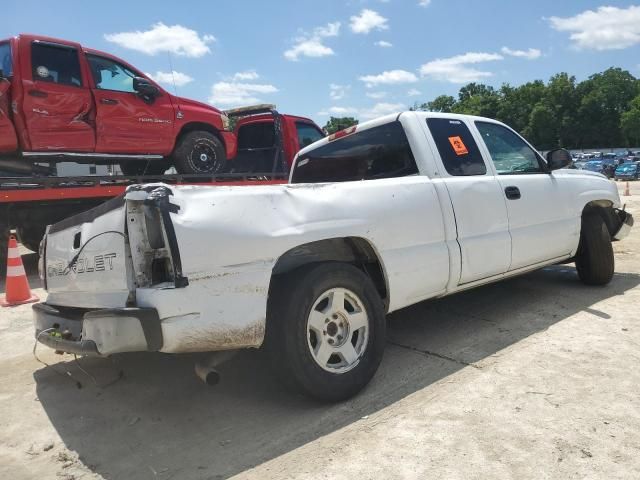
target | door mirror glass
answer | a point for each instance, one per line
(559, 158)
(144, 87)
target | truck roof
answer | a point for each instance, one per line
(390, 118)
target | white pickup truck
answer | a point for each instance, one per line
(377, 217)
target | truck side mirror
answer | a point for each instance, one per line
(558, 158)
(145, 88)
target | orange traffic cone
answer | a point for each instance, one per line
(626, 190)
(17, 289)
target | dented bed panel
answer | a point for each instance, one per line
(231, 238)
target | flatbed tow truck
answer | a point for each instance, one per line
(29, 204)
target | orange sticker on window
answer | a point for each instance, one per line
(458, 146)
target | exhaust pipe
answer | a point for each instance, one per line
(208, 375)
(207, 370)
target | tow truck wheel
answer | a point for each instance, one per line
(152, 167)
(199, 152)
(594, 261)
(326, 330)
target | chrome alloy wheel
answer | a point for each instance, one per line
(337, 330)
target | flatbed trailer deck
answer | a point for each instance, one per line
(29, 204)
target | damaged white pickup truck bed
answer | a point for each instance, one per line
(401, 209)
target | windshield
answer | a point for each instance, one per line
(6, 65)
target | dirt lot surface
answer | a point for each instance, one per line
(535, 377)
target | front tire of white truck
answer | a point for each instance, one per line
(326, 330)
(595, 261)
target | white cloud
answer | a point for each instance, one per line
(530, 54)
(414, 92)
(389, 78)
(607, 28)
(457, 69)
(238, 93)
(380, 109)
(311, 45)
(164, 38)
(383, 44)
(376, 95)
(424, 3)
(168, 78)
(338, 92)
(368, 20)
(245, 76)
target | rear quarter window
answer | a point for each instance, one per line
(458, 150)
(375, 153)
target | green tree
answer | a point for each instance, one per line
(542, 128)
(339, 123)
(442, 103)
(604, 97)
(478, 99)
(630, 123)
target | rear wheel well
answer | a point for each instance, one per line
(603, 208)
(353, 250)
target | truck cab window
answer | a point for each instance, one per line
(256, 135)
(510, 154)
(110, 75)
(6, 64)
(307, 134)
(55, 64)
(458, 150)
(378, 152)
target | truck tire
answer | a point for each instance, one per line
(199, 152)
(594, 260)
(30, 237)
(326, 330)
(4, 247)
(135, 168)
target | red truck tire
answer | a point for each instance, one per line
(199, 152)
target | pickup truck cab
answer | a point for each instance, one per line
(377, 217)
(60, 101)
(262, 135)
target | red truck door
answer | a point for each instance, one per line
(8, 140)
(56, 102)
(125, 122)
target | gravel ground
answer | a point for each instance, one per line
(535, 377)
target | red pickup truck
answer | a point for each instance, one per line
(60, 101)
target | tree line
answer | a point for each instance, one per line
(602, 111)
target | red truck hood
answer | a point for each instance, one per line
(186, 102)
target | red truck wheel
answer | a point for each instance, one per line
(199, 152)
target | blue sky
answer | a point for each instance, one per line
(355, 57)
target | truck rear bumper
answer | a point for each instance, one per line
(99, 332)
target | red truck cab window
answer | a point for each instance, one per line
(56, 64)
(307, 134)
(6, 64)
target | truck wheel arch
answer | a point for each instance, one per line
(603, 208)
(354, 250)
(198, 126)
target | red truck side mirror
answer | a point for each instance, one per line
(145, 88)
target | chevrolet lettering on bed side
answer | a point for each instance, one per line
(97, 263)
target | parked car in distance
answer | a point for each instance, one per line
(377, 217)
(627, 171)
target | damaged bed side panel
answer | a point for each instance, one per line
(230, 239)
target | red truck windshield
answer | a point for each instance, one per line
(5, 59)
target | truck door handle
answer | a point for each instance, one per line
(108, 101)
(38, 93)
(512, 193)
